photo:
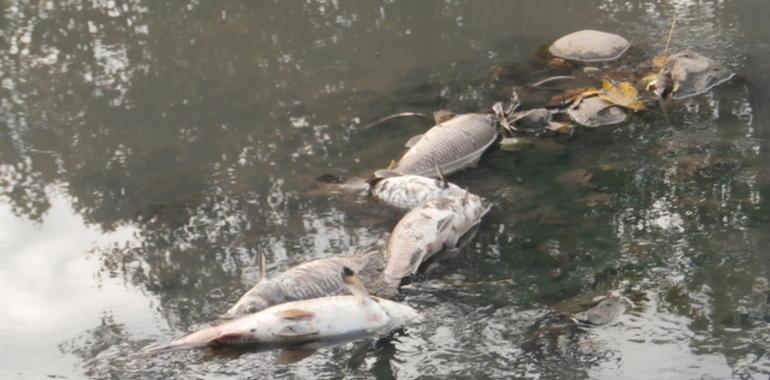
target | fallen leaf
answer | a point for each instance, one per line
(659, 61)
(623, 94)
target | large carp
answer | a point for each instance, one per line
(428, 229)
(297, 325)
(313, 279)
(453, 145)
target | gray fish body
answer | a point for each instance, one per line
(452, 145)
(428, 229)
(313, 279)
(410, 191)
(606, 312)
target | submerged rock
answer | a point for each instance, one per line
(590, 46)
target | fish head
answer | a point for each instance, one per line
(248, 304)
(400, 314)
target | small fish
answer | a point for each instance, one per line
(453, 145)
(313, 279)
(297, 324)
(428, 229)
(606, 312)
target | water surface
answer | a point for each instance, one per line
(149, 150)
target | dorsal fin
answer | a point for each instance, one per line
(262, 267)
(441, 177)
(354, 284)
(296, 314)
(414, 140)
(386, 173)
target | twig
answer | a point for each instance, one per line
(668, 42)
(393, 117)
(550, 79)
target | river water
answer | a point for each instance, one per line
(150, 150)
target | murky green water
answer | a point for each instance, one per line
(149, 150)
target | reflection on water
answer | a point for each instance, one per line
(149, 150)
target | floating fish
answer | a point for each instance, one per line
(453, 145)
(299, 325)
(428, 229)
(313, 279)
(605, 312)
(688, 74)
(410, 191)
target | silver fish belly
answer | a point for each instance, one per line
(426, 230)
(313, 279)
(410, 191)
(452, 145)
(295, 323)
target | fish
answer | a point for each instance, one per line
(426, 230)
(300, 325)
(604, 313)
(396, 190)
(313, 279)
(455, 144)
(410, 191)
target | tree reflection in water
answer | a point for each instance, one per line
(201, 125)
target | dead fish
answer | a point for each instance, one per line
(428, 229)
(595, 112)
(453, 145)
(410, 191)
(687, 73)
(313, 279)
(299, 324)
(606, 312)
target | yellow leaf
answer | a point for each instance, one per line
(659, 61)
(623, 94)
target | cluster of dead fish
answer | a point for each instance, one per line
(307, 306)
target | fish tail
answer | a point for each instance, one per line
(197, 339)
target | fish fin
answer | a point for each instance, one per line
(294, 355)
(386, 173)
(262, 267)
(445, 222)
(227, 336)
(414, 140)
(354, 284)
(441, 177)
(295, 314)
(297, 330)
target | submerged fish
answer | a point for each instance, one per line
(300, 324)
(313, 279)
(428, 229)
(606, 312)
(687, 73)
(453, 145)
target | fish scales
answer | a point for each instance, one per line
(323, 318)
(314, 279)
(410, 191)
(452, 145)
(427, 229)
